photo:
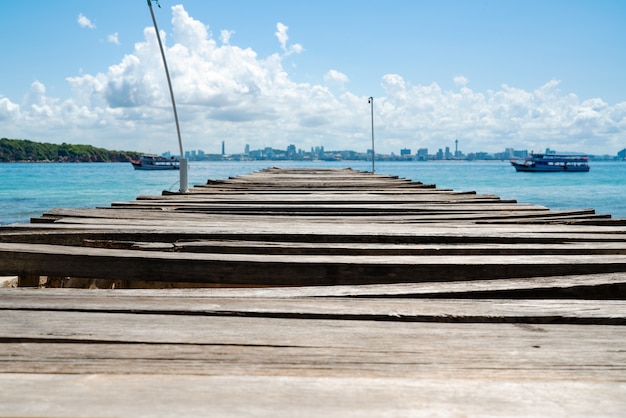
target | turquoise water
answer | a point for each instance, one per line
(30, 189)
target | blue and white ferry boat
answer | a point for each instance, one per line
(153, 162)
(553, 163)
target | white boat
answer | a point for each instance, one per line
(553, 163)
(153, 162)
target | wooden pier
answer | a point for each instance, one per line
(314, 292)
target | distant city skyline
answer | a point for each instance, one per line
(292, 152)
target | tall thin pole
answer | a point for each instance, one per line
(183, 161)
(371, 102)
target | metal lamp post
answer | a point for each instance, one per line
(183, 160)
(371, 102)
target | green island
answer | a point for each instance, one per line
(23, 150)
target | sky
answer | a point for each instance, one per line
(493, 74)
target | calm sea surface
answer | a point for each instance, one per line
(30, 189)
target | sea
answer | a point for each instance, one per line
(28, 190)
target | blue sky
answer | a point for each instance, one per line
(494, 74)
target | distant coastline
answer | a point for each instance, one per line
(23, 150)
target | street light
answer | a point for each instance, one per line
(371, 102)
(183, 160)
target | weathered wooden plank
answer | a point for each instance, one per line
(231, 358)
(295, 248)
(103, 263)
(203, 192)
(322, 184)
(338, 224)
(403, 310)
(221, 189)
(431, 206)
(190, 395)
(324, 207)
(183, 216)
(236, 346)
(76, 233)
(610, 286)
(158, 214)
(354, 196)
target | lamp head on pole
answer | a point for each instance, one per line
(371, 101)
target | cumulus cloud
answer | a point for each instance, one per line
(84, 22)
(8, 110)
(225, 92)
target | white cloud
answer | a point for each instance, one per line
(188, 30)
(8, 110)
(225, 92)
(281, 34)
(336, 77)
(225, 36)
(460, 80)
(114, 38)
(283, 38)
(84, 22)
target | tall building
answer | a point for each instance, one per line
(291, 151)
